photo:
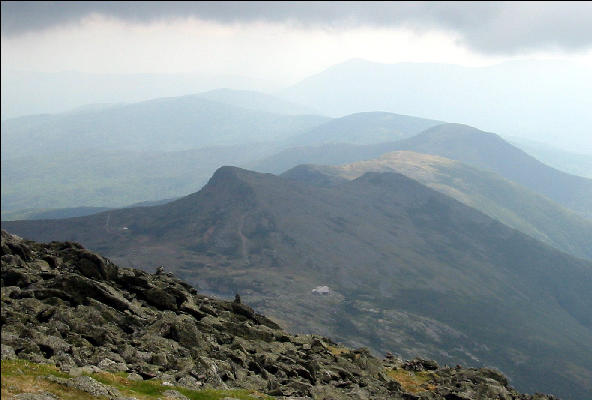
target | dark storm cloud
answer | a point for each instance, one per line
(489, 27)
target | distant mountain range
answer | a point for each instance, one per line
(364, 128)
(31, 92)
(567, 161)
(469, 145)
(166, 124)
(514, 98)
(119, 152)
(408, 269)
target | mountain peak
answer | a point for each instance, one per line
(228, 175)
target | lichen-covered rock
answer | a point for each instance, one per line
(65, 305)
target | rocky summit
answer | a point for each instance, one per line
(68, 307)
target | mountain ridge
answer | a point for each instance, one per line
(484, 150)
(440, 277)
(191, 121)
(501, 199)
(364, 128)
(489, 151)
(512, 98)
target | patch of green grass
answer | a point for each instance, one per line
(220, 394)
(21, 376)
(24, 367)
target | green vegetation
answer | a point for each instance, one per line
(21, 376)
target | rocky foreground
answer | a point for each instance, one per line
(67, 306)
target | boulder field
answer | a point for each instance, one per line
(67, 306)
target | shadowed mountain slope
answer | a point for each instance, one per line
(67, 311)
(501, 199)
(409, 269)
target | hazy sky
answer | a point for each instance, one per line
(276, 44)
(285, 41)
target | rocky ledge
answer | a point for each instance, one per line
(67, 306)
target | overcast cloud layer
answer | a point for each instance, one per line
(486, 27)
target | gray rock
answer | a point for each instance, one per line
(112, 366)
(86, 315)
(189, 382)
(173, 394)
(135, 377)
(8, 352)
(93, 387)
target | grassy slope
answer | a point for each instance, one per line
(20, 376)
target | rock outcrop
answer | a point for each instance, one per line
(64, 305)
